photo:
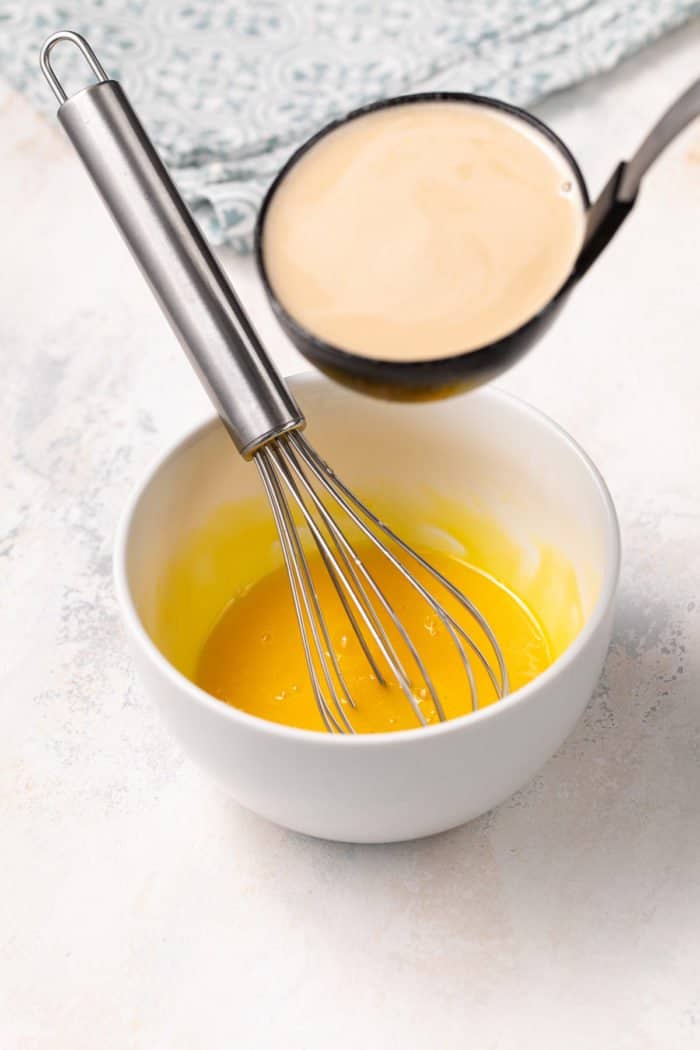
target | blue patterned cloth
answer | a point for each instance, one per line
(228, 89)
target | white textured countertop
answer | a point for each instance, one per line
(140, 907)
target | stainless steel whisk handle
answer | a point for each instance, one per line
(190, 286)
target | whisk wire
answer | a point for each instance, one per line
(299, 485)
(327, 476)
(326, 479)
(366, 611)
(302, 487)
(338, 579)
(351, 559)
(327, 650)
(300, 599)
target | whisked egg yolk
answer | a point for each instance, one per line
(254, 659)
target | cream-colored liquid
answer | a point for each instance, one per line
(423, 230)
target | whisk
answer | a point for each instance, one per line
(265, 423)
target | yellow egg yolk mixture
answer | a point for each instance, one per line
(254, 658)
(224, 616)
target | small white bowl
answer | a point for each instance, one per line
(485, 447)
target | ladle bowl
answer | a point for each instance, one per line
(443, 376)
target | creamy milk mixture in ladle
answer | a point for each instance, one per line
(423, 231)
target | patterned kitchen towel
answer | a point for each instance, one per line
(228, 89)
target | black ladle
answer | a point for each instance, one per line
(439, 377)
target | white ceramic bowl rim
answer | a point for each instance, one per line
(496, 710)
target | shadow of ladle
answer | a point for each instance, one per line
(443, 376)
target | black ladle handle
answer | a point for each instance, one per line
(617, 198)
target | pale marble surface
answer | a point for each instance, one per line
(139, 907)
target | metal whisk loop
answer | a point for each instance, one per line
(297, 481)
(89, 55)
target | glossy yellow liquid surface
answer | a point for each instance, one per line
(222, 613)
(254, 658)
